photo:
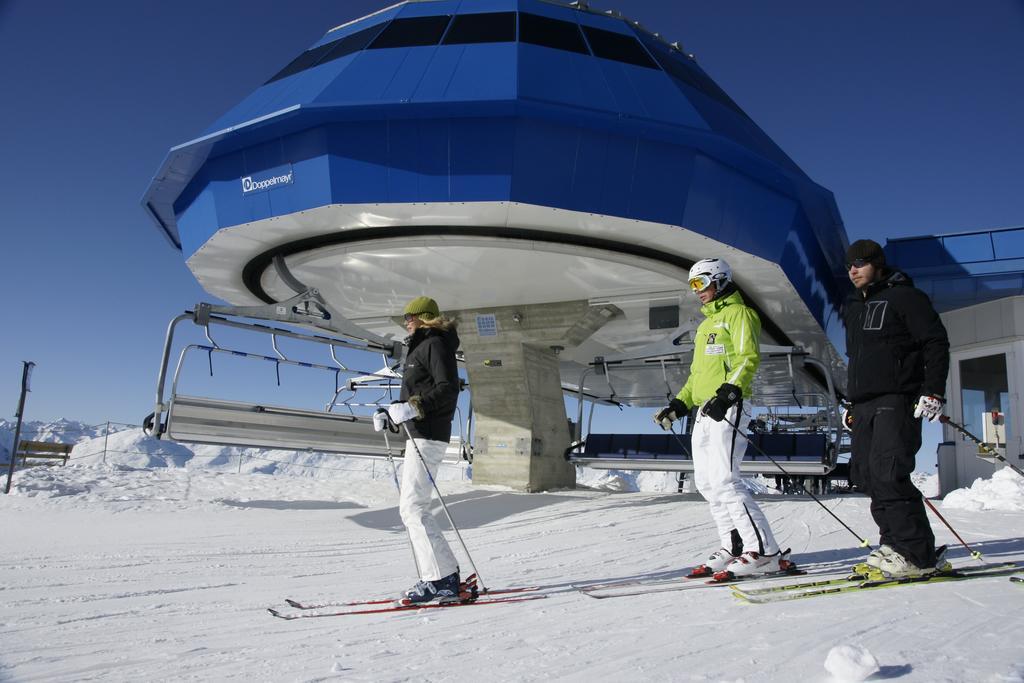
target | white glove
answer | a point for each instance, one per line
(402, 412)
(380, 420)
(929, 407)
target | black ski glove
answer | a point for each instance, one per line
(666, 416)
(726, 397)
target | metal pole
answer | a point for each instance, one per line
(982, 446)
(106, 436)
(26, 378)
(863, 542)
(472, 565)
(974, 553)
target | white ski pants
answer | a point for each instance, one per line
(717, 453)
(433, 555)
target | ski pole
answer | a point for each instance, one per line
(981, 444)
(472, 565)
(863, 541)
(974, 553)
(390, 427)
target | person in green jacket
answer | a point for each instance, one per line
(725, 358)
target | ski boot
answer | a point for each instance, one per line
(896, 566)
(442, 591)
(751, 564)
(716, 562)
(869, 567)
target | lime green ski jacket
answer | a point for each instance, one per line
(726, 350)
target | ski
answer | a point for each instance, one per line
(849, 578)
(467, 589)
(601, 592)
(682, 579)
(297, 604)
(808, 589)
(1017, 579)
(393, 607)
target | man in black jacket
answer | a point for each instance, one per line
(899, 358)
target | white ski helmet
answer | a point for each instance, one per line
(710, 271)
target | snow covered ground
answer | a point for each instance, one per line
(112, 571)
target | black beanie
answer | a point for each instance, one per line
(868, 250)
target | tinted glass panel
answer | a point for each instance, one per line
(619, 47)
(328, 51)
(482, 28)
(302, 62)
(677, 67)
(560, 35)
(412, 32)
(352, 43)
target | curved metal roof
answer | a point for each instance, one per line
(451, 58)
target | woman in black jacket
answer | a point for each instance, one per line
(430, 392)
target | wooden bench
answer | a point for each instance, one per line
(41, 450)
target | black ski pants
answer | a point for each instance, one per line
(886, 438)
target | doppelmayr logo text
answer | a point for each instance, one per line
(256, 184)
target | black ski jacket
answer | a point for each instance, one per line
(895, 340)
(431, 374)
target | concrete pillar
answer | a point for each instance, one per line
(521, 429)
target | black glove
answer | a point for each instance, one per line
(726, 397)
(666, 416)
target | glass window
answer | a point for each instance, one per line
(352, 43)
(304, 61)
(617, 46)
(983, 390)
(560, 35)
(499, 27)
(679, 67)
(411, 32)
(663, 317)
(328, 51)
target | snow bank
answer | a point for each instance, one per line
(1004, 491)
(131, 448)
(927, 483)
(633, 481)
(626, 480)
(123, 488)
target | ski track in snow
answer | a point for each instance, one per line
(113, 573)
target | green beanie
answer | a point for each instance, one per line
(424, 307)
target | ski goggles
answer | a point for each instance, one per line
(699, 283)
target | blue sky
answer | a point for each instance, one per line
(909, 112)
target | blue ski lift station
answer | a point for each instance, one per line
(547, 172)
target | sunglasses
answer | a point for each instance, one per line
(411, 316)
(700, 282)
(857, 263)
